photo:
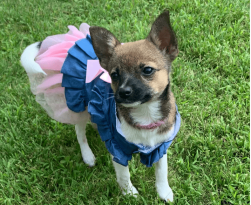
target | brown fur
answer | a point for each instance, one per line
(125, 112)
(168, 107)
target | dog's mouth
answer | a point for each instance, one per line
(135, 104)
(133, 101)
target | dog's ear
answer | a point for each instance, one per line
(163, 36)
(104, 43)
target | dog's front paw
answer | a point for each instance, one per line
(165, 192)
(87, 155)
(131, 190)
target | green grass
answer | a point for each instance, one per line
(208, 162)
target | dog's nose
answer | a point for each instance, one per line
(125, 92)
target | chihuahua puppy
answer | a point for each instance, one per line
(145, 109)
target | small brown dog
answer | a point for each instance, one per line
(144, 116)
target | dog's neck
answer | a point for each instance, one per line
(157, 113)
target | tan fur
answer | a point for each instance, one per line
(138, 52)
(113, 87)
(172, 113)
(160, 81)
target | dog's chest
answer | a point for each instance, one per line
(144, 115)
(145, 137)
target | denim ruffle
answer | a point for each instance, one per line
(102, 110)
(74, 74)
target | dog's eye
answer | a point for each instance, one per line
(148, 71)
(114, 76)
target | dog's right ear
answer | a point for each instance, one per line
(163, 36)
(104, 43)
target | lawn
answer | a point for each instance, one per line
(40, 159)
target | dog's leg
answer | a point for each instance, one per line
(163, 189)
(123, 179)
(87, 154)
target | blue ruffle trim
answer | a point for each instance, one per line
(101, 108)
(74, 74)
(155, 155)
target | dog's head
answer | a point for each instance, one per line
(139, 70)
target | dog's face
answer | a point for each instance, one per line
(139, 70)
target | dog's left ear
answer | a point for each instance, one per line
(163, 36)
(104, 43)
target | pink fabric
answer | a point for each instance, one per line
(50, 81)
(57, 50)
(73, 35)
(47, 88)
(106, 77)
(94, 69)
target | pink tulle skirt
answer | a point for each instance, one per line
(47, 88)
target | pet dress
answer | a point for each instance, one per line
(76, 81)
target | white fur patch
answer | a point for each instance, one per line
(145, 137)
(87, 155)
(123, 179)
(145, 114)
(28, 59)
(162, 186)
